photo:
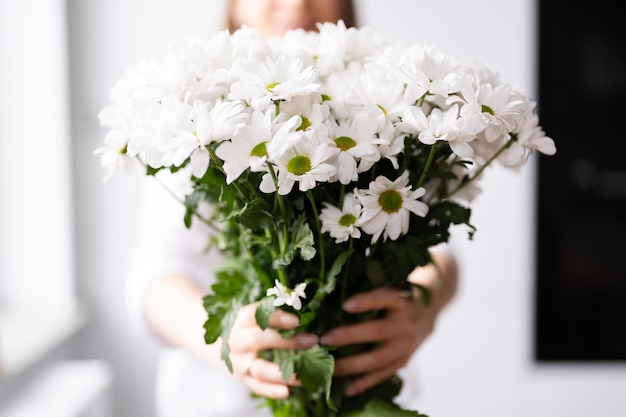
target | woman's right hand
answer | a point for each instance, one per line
(247, 339)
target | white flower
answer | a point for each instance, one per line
(531, 137)
(500, 110)
(248, 149)
(307, 163)
(425, 69)
(356, 141)
(216, 124)
(264, 81)
(285, 296)
(439, 125)
(341, 223)
(113, 155)
(387, 206)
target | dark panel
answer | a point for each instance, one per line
(581, 250)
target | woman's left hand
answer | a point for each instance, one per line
(407, 322)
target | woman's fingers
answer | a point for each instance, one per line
(378, 299)
(369, 331)
(269, 372)
(282, 320)
(250, 337)
(400, 319)
(261, 376)
(279, 319)
(397, 351)
(264, 378)
(371, 379)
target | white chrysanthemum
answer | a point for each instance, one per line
(156, 135)
(531, 137)
(113, 155)
(356, 141)
(341, 47)
(439, 125)
(313, 113)
(500, 110)
(387, 206)
(306, 163)
(262, 81)
(425, 69)
(394, 147)
(216, 124)
(248, 149)
(285, 296)
(341, 223)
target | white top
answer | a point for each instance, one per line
(185, 386)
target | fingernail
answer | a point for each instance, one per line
(350, 391)
(351, 304)
(328, 340)
(307, 340)
(289, 320)
(281, 392)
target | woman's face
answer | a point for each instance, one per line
(272, 18)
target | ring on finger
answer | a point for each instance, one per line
(246, 370)
(407, 295)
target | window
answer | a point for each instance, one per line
(36, 242)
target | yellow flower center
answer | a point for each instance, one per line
(487, 109)
(390, 201)
(306, 123)
(344, 143)
(347, 219)
(299, 165)
(272, 86)
(259, 150)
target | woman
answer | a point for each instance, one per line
(170, 274)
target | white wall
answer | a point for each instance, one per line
(479, 362)
(36, 248)
(105, 37)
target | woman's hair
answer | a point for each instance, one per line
(347, 15)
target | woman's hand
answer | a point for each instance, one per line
(407, 322)
(247, 340)
(404, 326)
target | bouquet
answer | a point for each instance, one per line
(332, 160)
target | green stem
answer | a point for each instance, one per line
(219, 165)
(282, 241)
(464, 183)
(282, 208)
(429, 161)
(200, 217)
(344, 283)
(318, 226)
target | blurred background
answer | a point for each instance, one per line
(539, 325)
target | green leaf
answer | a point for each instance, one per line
(212, 329)
(285, 359)
(225, 354)
(451, 212)
(336, 267)
(301, 239)
(192, 200)
(314, 368)
(380, 408)
(252, 215)
(374, 271)
(263, 311)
